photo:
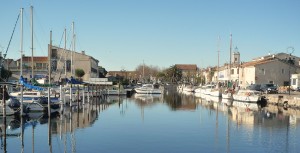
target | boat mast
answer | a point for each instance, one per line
(218, 60)
(21, 61)
(49, 72)
(31, 12)
(230, 57)
(21, 88)
(49, 58)
(73, 49)
(65, 53)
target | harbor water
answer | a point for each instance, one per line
(168, 123)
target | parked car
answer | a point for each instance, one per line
(254, 87)
(269, 88)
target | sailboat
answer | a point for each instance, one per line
(8, 105)
(227, 93)
(33, 98)
(215, 90)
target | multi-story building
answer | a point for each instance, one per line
(276, 69)
(63, 65)
(65, 62)
(40, 66)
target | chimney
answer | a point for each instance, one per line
(83, 52)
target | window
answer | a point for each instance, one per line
(232, 71)
(45, 65)
(263, 71)
(54, 65)
(282, 71)
(93, 70)
(54, 53)
(272, 82)
(68, 64)
(39, 65)
(294, 80)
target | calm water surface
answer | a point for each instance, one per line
(165, 123)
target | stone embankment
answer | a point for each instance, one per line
(287, 100)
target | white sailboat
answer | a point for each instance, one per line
(32, 98)
(215, 90)
(227, 93)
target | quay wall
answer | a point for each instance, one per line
(286, 100)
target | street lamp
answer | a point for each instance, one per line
(290, 50)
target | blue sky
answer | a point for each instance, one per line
(122, 34)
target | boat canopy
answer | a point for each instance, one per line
(73, 81)
(35, 83)
(29, 86)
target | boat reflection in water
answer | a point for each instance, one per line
(148, 98)
(60, 124)
(248, 113)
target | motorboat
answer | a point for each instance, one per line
(116, 90)
(188, 88)
(35, 101)
(148, 89)
(249, 96)
(11, 106)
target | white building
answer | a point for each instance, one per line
(275, 69)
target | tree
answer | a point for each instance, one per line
(145, 73)
(5, 74)
(102, 72)
(79, 73)
(173, 74)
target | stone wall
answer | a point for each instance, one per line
(285, 100)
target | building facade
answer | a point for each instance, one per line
(63, 65)
(189, 72)
(65, 62)
(276, 69)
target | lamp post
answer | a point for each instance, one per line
(290, 50)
